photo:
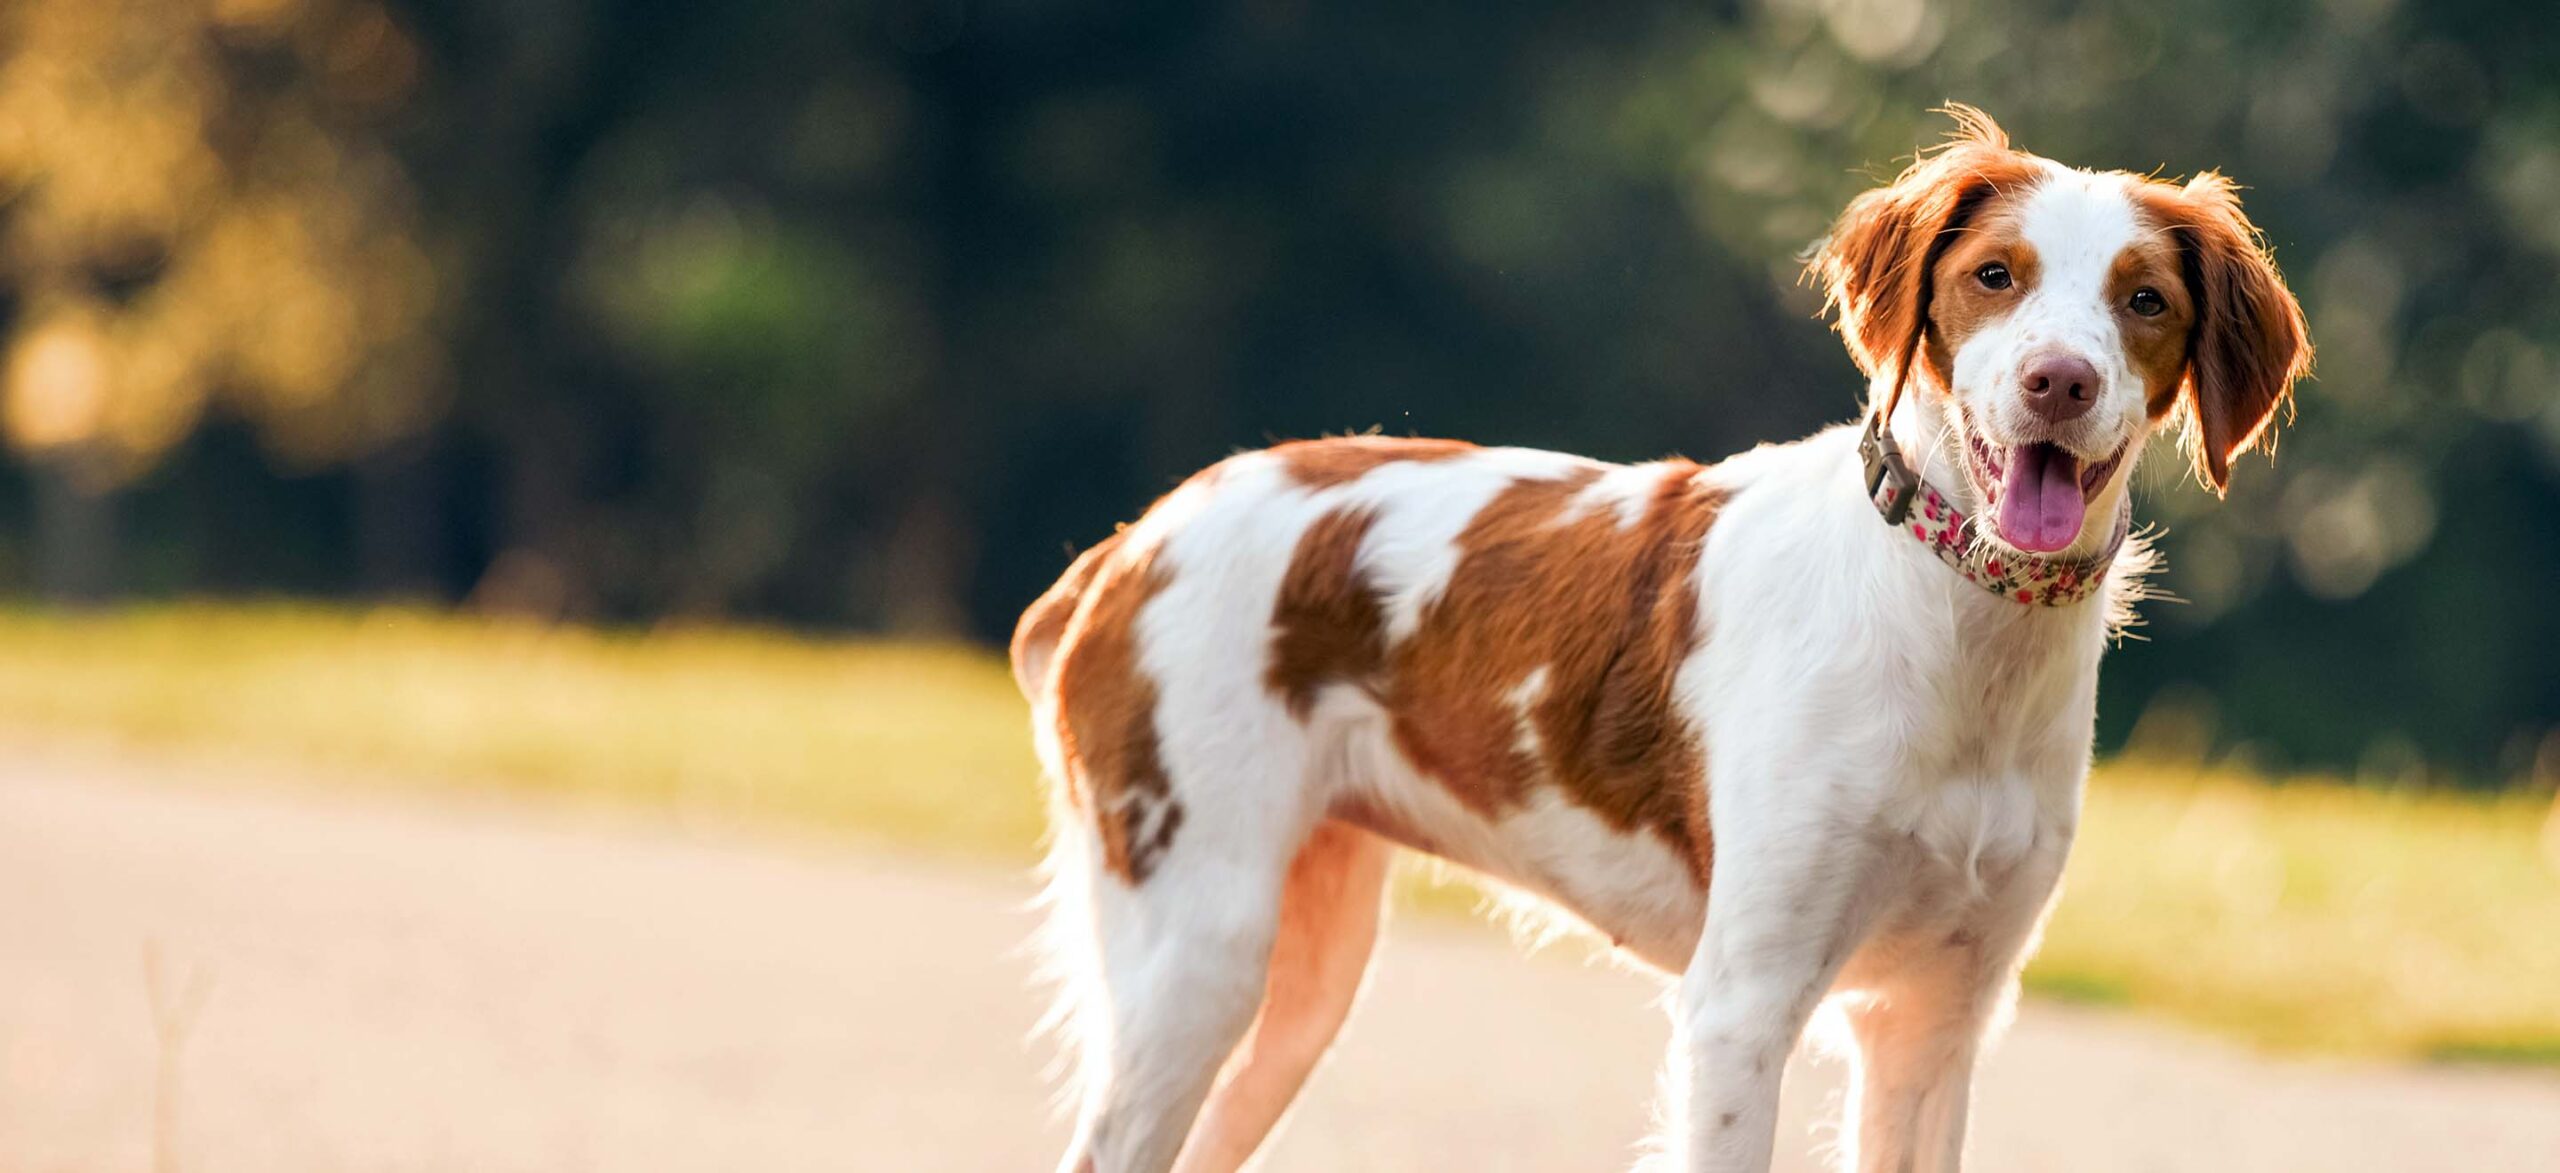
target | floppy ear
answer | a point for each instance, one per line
(2250, 342)
(1874, 267)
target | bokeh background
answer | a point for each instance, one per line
(860, 316)
(666, 407)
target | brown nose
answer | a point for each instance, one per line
(2060, 386)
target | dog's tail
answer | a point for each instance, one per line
(1044, 623)
(1068, 959)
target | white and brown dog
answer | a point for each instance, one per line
(1722, 713)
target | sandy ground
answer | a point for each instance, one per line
(394, 984)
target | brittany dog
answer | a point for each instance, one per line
(1811, 723)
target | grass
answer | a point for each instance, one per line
(915, 744)
(2301, 916)
(2311, 915)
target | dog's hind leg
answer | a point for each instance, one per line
(1329, 916)
(1186, 794)
(1163, 973)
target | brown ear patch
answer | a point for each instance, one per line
(1338, 460)
(1548, 659)
(1876, 268)
(1107, 712)
(2249, 343)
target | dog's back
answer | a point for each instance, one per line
(1306, 650)
(1512, 620)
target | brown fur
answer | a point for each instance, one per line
(2249, 342)
(1960, 304)
(1044, 622)
(2156, 345)
(1876, 267)
(1107, 733)
(1328, 623)
(1079, 639)
(1609, 613)
(1336, 460)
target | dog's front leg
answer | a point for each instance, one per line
(1785, 907)
(1923, 1017)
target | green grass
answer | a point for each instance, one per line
(917, 744)
(2303, 916)
(2311, 915)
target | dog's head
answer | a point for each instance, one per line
(2049, 319)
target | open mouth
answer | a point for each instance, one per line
(2036, 493)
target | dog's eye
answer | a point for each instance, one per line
(2148, 303)
(1993, 276)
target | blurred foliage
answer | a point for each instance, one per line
(2304, 915)
(862, 313)
(193, 207)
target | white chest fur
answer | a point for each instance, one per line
(1855, 691)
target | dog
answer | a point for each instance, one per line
(1809, 723)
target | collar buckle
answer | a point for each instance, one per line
(1885, 464)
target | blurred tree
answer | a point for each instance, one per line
(862, 312)
(2376, 587)
(186, 223)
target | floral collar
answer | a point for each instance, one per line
(1915, 506)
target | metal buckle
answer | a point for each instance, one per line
(1884, 460)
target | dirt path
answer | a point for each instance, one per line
(396, 985)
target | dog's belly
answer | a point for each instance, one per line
(1629, 885)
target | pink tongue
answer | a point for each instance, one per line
(2040, 504)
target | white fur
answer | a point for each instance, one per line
(1896, 761)
(1624, 490)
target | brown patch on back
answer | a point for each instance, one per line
(1337, 460)
(1608, 612)
(1327, 624)
(1107, 706)
(1502, 615)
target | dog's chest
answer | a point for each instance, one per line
(2001, 723)
(1889, 702)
